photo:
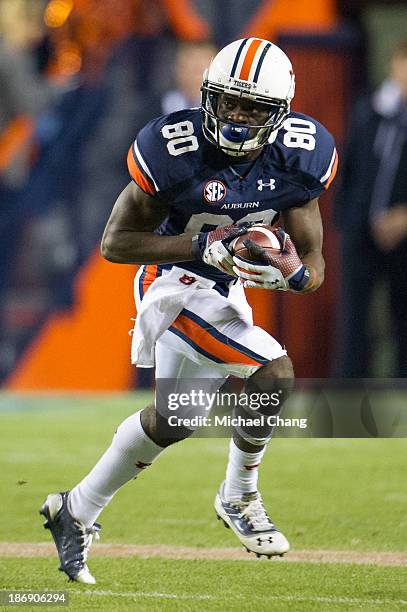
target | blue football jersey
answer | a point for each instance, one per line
(172, 161)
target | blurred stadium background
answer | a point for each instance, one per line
(78, 79)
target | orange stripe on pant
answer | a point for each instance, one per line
(211, 345)
(150, 274)
(248, 60)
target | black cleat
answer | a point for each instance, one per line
(71, 537)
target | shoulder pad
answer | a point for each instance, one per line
(155, 159)
(308, 150)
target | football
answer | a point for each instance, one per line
(263, 235)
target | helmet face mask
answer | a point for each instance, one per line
(264, 96)
(240, 138)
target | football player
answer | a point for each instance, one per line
(199, 178)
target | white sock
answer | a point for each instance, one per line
(131, 451)
(242, 472)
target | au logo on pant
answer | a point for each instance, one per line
(187, 280)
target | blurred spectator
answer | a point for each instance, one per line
(191, 61)
(372, 215)
(60, 168)
(126, 103)
(228, 18)
(24, 94)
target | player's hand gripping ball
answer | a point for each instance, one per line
(267, 258)
(213, 247)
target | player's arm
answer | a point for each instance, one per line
(304, 225)
(129, 238)
(129, 235)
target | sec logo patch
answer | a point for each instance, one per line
(214, 191)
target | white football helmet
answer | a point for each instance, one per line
(253, 69)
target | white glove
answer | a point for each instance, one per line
(212, 247)
(259, 275)
(216, 254)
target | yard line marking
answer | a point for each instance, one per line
(199, 597)
(153, 594)
(175, 521)
(42, 549)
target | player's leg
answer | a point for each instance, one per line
(71, 515)
(221, 329)
(238, 501)
(248, 444)
(136, 444)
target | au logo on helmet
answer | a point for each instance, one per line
(214, 191)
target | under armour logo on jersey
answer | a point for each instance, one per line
(214, 191)
(262, 184)
(187, 280)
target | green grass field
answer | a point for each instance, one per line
(338, 495)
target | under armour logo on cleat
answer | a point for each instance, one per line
(261, 540)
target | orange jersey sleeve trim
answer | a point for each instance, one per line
(138, 176)
(333, 173)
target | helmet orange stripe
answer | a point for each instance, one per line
(248, 60)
